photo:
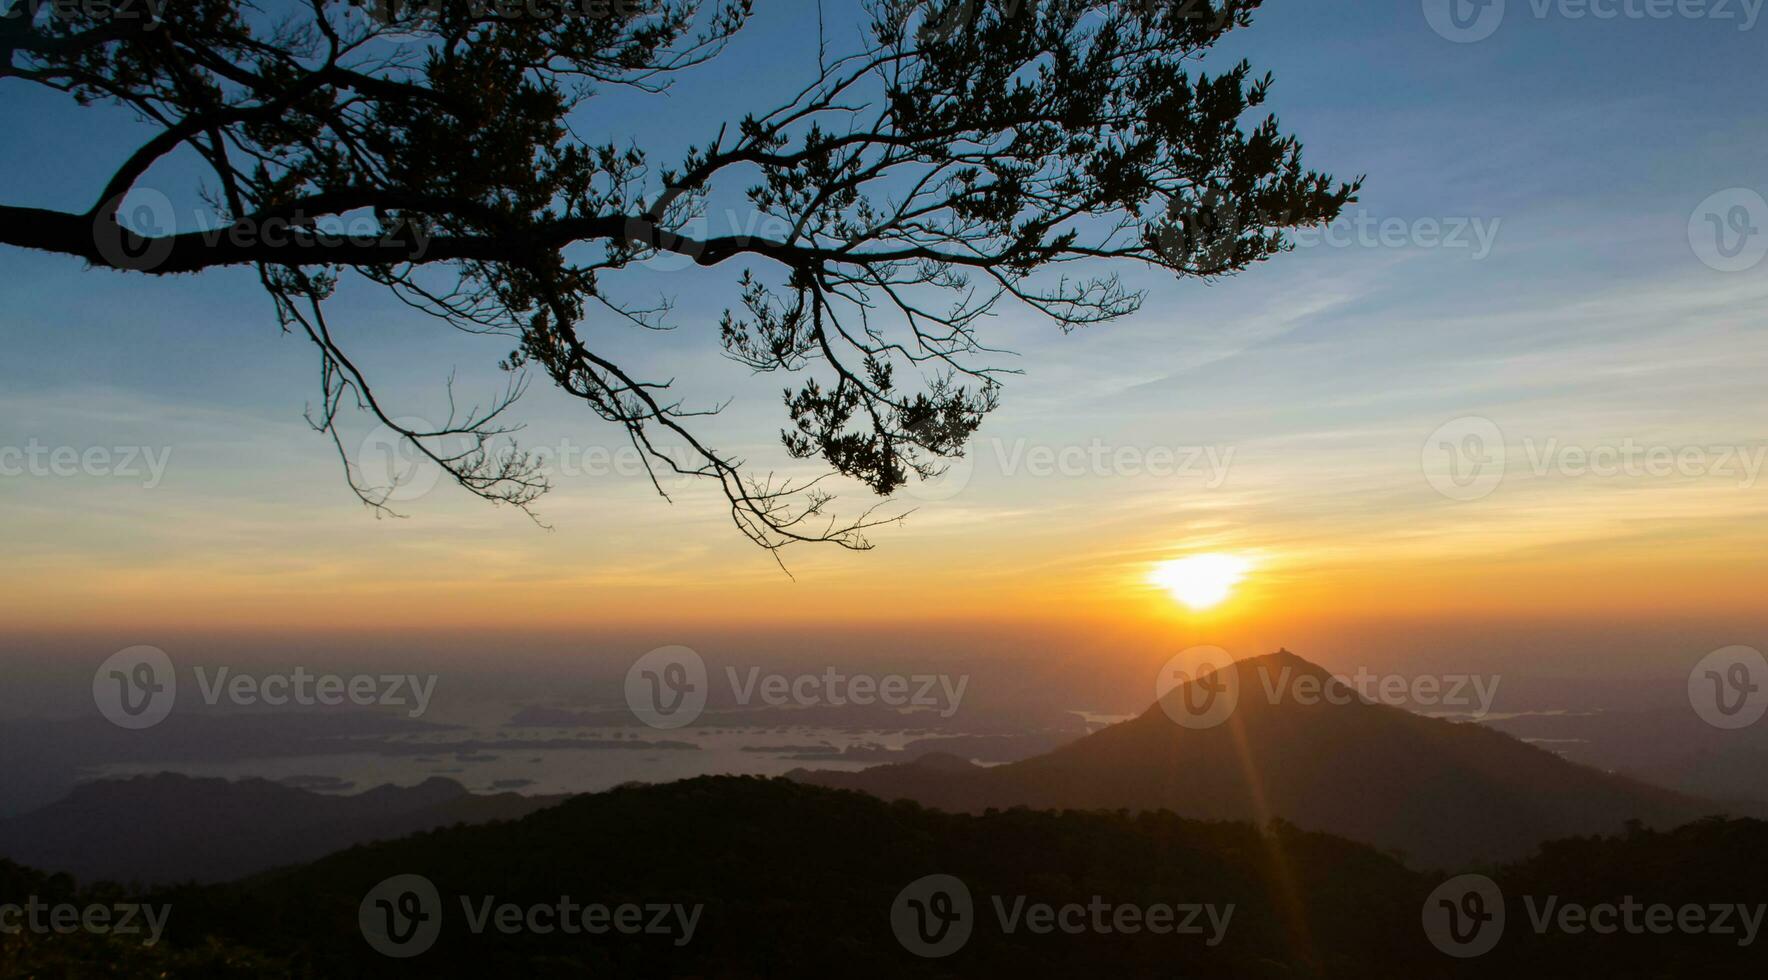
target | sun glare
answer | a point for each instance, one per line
(1200, 581)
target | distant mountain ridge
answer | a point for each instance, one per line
(169, 827)
(1442, 793)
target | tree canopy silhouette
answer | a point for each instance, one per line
(966, 153)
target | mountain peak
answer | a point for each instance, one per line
(1266, 672)
(1278, 735)
(1281, 659)
(943, 762)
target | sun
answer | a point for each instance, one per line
(1200, 581)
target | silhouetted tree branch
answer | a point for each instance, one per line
(967, 154)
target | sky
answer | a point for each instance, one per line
(1529, 277)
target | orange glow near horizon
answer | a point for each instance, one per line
(1047, 553)
(402, 587)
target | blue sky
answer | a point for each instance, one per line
(1565, 155)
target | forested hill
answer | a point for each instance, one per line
(746, 877)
